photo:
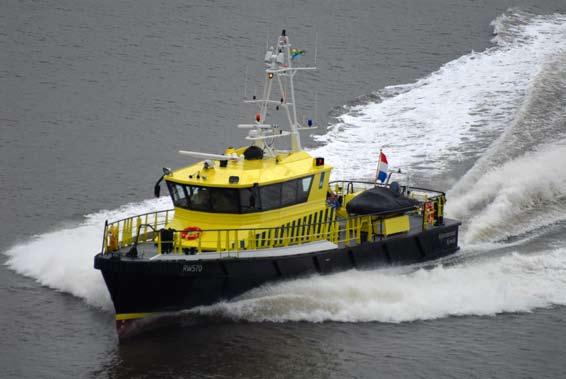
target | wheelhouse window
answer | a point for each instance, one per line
(179, 195)
(284, 194)
(225, 200)
(199, 198)
(241, 200)
(289, 192)
(270, 196)
(304, 189)
(249, 200)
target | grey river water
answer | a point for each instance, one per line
(97, 96)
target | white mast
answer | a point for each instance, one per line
(279, 66)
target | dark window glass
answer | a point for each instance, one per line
(225, 200)
(245, 200)
(289, 192)
(249, 200)
(178, 195)
(270, 196)
(321, 183)
(199, 198)
(303, 189)
(172, 192)
(171, 187)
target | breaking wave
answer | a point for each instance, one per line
(513, 283)
(518, 183)
(64, 259)
(522, 195)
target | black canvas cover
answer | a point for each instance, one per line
(380, 200)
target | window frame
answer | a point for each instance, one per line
(299, 198)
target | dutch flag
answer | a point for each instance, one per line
(382, 168)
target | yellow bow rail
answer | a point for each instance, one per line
(122, 233)
(150, 234)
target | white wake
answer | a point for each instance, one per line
(519, 196)
(514, 283)
(453, 113)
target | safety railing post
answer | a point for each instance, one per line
(218, 241)
(124, 239)
(117, 238)
(145, 228)
(286, 235)
(177, 244)
(104, 238)
(332, 232)
(250, 240)
(270, 235)
(359, 230)
(227, 239)
(237, 242)
(126, 232)
(309, 228)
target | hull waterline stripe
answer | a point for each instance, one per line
(131, 316)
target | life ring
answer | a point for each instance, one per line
(429, 212)
(191, 233)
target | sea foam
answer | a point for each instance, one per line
(513, 283)
(64, 259)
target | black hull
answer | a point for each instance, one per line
(139, 287)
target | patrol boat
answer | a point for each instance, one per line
(258, 214)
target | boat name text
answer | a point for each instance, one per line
(446, 235)
(192, 268)
(448, 238)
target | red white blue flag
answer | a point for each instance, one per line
(382, 168)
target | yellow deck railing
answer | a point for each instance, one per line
(149, 228)
(124, 233)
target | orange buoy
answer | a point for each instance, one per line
(429, 212)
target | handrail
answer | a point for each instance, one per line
(119, 233)
(141, 215)
(343, 230)
(355, 181)
(322, 224)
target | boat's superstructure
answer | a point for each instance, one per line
(257, 213)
